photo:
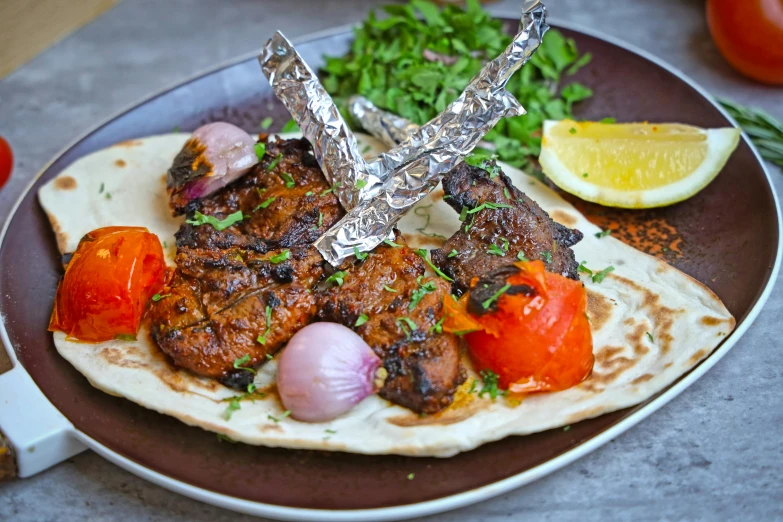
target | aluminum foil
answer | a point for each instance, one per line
(412, 169)
(334, 145)
(387, 127)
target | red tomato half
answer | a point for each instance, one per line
(536, 342)
(108, 284)
(6, 161)
(749, 34)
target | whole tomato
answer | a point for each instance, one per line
(6, 161)
(749, 34)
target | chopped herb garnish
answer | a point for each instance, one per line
(361, 320)
(490, 384)
(392, 243)
(309, 193)
(320, 220)
(506, 193)
(361, 183)
(200, 219)
(266, 122)
(290, 126)
(359, 255)
(603, 233)
(275, 162)
(495, 250)
(225, 438)
(486, 163)
(423, 253)
(582, 268)
(125, 337)
(285, 414)
(411, 475)
(650, 336)
(331, 432)
(108, 195)
(265, 203)
(488, 205)
(453, 253)
(268, 315)
(279, 258)
(289, 180)
(566, 428)
(521, 256)
(242, 360)
(260, 149)
(419, 293)
(597, 278)
(389, 289)
(158, 297)
(232, 407)
(486, 304)
(473, 383)
(366, 149)
(547, 256)
(406, 325)
(101, 190)
(463, 213)
(437, 327)
(337, 277)
(269, 356)
(165, 245)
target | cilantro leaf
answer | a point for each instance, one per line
(200, 219)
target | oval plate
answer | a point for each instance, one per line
(698, 236)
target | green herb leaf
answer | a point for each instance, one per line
(359, 255)
(603, 233)
(582, 268)
(290, 126)
(437, 327)
(279, 258)
(765, 131)
(158, 297)
(419, 293)
(490, 384)
(392, 243)
(260, 149)
(200, 219)
(406, 325)
(361, 320)
(650, 336)
(423, 253)
(265, 203)
(486, 304)
(597, 278)
(521, 256)
(389, 289)
(411, 476)
(495, 250)
(337, 277)
(266, 123)
(274, 163)
(453, 253)
(242, 360)
(361, 183)
(261, 339)
(289, 180)
(488, 206)
(101, 189)
(547, 256)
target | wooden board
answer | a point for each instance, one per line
(27, 27)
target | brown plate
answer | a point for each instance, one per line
(702, 237)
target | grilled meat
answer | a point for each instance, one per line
(403, 308)
(508, 219)
(262, 277)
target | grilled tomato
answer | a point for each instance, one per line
(527, 325)
(108, 283)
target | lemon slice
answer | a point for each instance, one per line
(633, 165)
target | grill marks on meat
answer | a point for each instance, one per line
(424, 366)
(525, 226)
(225, 280)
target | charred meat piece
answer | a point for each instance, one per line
(402, 309)
(499, 223)
(253, 278)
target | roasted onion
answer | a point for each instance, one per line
(326, 370)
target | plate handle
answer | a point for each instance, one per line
(38, 435)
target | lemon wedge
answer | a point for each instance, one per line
(633, 165)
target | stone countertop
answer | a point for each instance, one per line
(713, 453)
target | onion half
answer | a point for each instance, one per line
(326, 370)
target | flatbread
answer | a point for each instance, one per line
(684, 319)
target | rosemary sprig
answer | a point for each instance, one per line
(765, 131)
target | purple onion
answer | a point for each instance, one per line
(326, 370)
(216, 154)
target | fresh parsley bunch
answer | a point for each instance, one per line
(419, 58)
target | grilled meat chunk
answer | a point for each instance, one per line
(228, 280)
(500, 223)
(402, 307)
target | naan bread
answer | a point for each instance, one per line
(125, 185)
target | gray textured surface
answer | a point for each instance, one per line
(714, 453)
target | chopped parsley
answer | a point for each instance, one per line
(490, 384)
(463, 214)
(285, 414)
(582, 268)
(521, 256)
(266, 122)
(320, 220)
(275, 162)
(260, 149)
(453, 253)
(268, 315)
(361, 320)
(411, 475)
(597, 278)
(486, 304)
(279, 258)
(392, 243)
(473, 383)
(165, 245)
(361, 256)
(265, 203)
(566, 428)
(331, 432)
(406, 325)
(488, 205)
(506, 193)
(108, 195)
(419, 293)
(495, 250)
(232, 407)
(200, 219)
(309, 193)
(158, 297)
(289, 180)
(437, 327)
(331, 189)
(337, 277)
(290, 126)
(650, 336)
(361, 183)
(389, 289)
(547, 256)
(423, 253)
(484, 162)
(603, 233)
(242, 360)
(101, 190)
